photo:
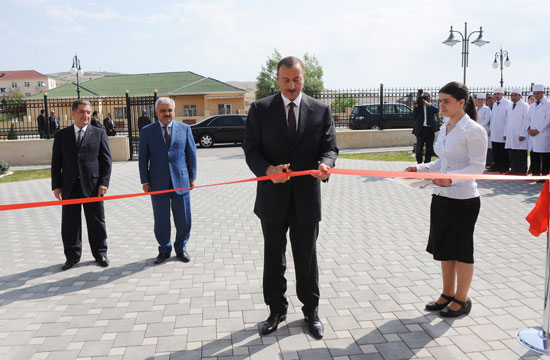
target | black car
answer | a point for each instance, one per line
(219, 129)
(396, 116)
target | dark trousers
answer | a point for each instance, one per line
(540, 163)
(303, 238)
(426, 137)
(518, 162)
(489, 160)
(500, 157)
(71, 227)
(181, 210)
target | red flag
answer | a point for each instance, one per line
(538, 217)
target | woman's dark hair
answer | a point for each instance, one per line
(460, 92)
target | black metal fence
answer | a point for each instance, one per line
(386, 107)
(19, 119)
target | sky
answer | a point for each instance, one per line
(359, 44)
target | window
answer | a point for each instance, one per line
(189, 110)
(402, 109)
(27, 84)
(224, 109)
(389, 109)
(3, 90)
(14, 85)
(27, 94)
(120, 113)
(41, 84)
(374, 109)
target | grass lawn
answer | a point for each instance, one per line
(381, 156)
(23, 175)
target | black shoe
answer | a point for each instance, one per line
(161, 258)
(184, 256)
(103, 261)
(69, 264)
(464, 310)
(314, 326)
(433, 306)
(272, 322)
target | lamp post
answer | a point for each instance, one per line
(465, 38)
(77, 70)
(500, 56)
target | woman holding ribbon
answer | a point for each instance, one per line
(461, 148)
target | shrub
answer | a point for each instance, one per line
(4, 167)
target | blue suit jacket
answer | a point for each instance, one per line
(159, 164)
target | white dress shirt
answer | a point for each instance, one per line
(516, 126)
(462, 151)
(77, 129)
(296, 102)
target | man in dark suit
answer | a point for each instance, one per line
(41, 120)
(95, 120)
(425, 126)
(81, 168)
(109, 125)
(143, 120)
(53, 122)
(290, 131)
(167, 160)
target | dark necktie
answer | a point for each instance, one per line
(538, 102)
(166, 136)
(498, 102)
(514, 106)
(292, 122)
(79, 138)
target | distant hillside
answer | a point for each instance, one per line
(63, 78)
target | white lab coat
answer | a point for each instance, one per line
(499, 113)
(516, 126)
(484, 119)
(538, 118)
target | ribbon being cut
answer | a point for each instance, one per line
(537, 218)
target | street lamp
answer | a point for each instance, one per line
(465, 38)
(500, 56)
(77, 70)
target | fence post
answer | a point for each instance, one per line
(129, 118)
(381, 106)
(155, 95)
(46, 114)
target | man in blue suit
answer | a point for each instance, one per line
(167, 160)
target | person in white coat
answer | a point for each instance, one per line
(516, 134)
(539, 129)
(499, 114)
(484, 119)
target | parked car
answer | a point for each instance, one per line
(219, 129)
(396, 116)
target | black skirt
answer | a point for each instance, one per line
(452, 223)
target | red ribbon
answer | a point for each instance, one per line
(375, 173)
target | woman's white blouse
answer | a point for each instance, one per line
(462, 151)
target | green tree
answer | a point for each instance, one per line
(12, 135)
(16, 98)
(266, 83)
(341, 103)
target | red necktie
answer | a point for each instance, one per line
(166, 136)
(292, 122)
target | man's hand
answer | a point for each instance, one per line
(521, 138)
(192, 183)
(324, 168)
(411, 169)
(504, 137)
(442, 182)
(146, 188)
(57, 193)
(533, 132)
(272, 170)
(102, 190)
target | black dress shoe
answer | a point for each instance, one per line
(433, 306)
(161, 258)
(315, 326)
(464, 310)
(272, 322)
(69, 264)
(103, 261)
(184, 256)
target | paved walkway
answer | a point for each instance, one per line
(375, 276)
